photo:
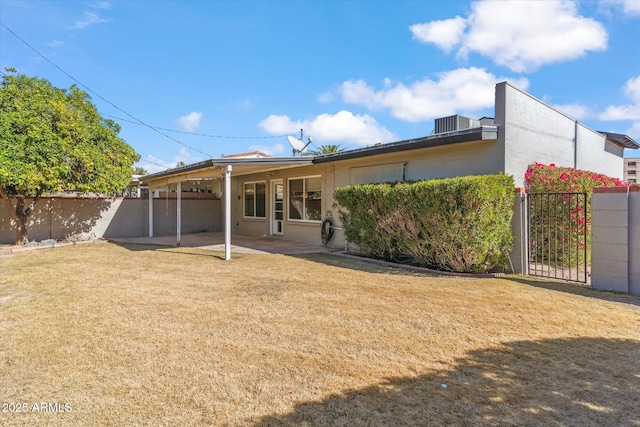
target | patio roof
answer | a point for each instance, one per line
(214, 168)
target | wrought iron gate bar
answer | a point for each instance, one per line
(558, 235)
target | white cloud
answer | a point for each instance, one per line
(154, 164)
(89, 19)
(185, 156)
(626, 111)
(629, 7)
(272, 150)
(520, 35)
(100, 5)
(342, 127)
(445, 34)
(191, 121)
(465, 91)
(55, 43)
(326, 97)
(575, 111)
(634, 131)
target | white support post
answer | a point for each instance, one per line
(227, 213)
(150, 212)
(178, 211)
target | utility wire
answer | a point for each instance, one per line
(198, 134)
(153, 163)
(137, 121)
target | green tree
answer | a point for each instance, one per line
(324, 149)
(139, 170)
(55, 140)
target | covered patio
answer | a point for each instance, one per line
(217, 170)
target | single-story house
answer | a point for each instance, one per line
(289, 197)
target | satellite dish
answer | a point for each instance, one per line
(297, 144)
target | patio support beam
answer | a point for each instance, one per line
(178, 211)
(227, 213)
(150, 211)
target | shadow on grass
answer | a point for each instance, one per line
(577, 289)
(185, 250)
(583, 381)
(366, 265)
(568, 287)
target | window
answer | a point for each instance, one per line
(254, 199)
(305, 199)
(631, 164)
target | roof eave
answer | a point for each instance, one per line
(621, 140)
(240, 161)
(483, 133)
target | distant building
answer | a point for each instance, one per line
(631, 168)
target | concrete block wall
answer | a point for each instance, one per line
(519, 253)
(59, 217)
(615, 241)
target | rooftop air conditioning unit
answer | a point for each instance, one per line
(453, 123)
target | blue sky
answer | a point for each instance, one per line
(354, 73)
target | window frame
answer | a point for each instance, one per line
(255, 200)
(304, 206)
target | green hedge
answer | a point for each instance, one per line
(455, 224)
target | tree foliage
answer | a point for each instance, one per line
(54, 140)
(324, 149)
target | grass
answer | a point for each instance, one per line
(140, 335)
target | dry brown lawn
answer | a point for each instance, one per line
(141, 335)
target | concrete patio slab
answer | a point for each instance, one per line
(239, 243)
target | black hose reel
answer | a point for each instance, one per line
(327, 230)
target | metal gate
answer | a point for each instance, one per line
(559, 236)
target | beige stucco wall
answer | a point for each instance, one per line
(470, 158)
(297, 231)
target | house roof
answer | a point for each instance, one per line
(621, 140)
(483, 133)
(212, 168)
(243, 164)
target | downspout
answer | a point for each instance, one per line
(575, 145)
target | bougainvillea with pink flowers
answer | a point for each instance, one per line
(540, 178)
(567, 214)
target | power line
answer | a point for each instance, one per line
(154, 163)
(137, 121)
(198, 134)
